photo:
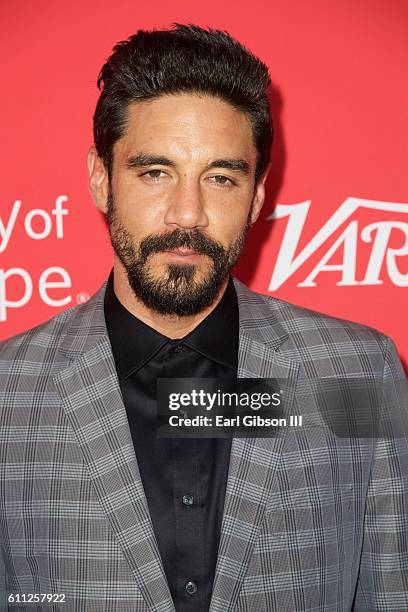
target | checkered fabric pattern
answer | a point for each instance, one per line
(312, 522)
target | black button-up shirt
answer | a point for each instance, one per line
(184, 479)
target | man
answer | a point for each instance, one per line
(99, 512)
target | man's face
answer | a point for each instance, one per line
(181, 199)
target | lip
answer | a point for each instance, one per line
(183, 253)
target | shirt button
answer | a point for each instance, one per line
(178, 348)
(188, 500)
(191, 587)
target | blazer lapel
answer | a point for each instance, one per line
(253, 460)
(92, 402)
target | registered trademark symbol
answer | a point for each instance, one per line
(82, 297)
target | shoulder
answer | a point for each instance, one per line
(43, 343)
(38, 344)
(300, 320)
(307, 329)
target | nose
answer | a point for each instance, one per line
(187, 208)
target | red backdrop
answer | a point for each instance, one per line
(338, 242)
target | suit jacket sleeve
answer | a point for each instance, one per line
(383, 578)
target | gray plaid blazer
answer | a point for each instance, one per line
(312, 521)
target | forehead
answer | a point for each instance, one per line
(187, 126)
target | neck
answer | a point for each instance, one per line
(171, 326)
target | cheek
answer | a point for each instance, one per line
(140, 218)
(139, 208)
(228, 224)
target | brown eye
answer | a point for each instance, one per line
(220, 179)
(153, 174)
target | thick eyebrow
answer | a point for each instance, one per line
(143, 160)
(237, 165)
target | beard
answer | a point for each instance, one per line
(178, 291)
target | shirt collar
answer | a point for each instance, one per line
(134, 342)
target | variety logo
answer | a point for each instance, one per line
(378, 233)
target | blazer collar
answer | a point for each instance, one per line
(87, 326)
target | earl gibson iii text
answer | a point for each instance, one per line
(220, 407)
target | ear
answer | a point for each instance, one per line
(259, 196)
(98, 180)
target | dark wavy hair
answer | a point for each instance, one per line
(186, 58)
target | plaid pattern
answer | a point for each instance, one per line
(312, 522)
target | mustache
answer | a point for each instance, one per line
(181, 239)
